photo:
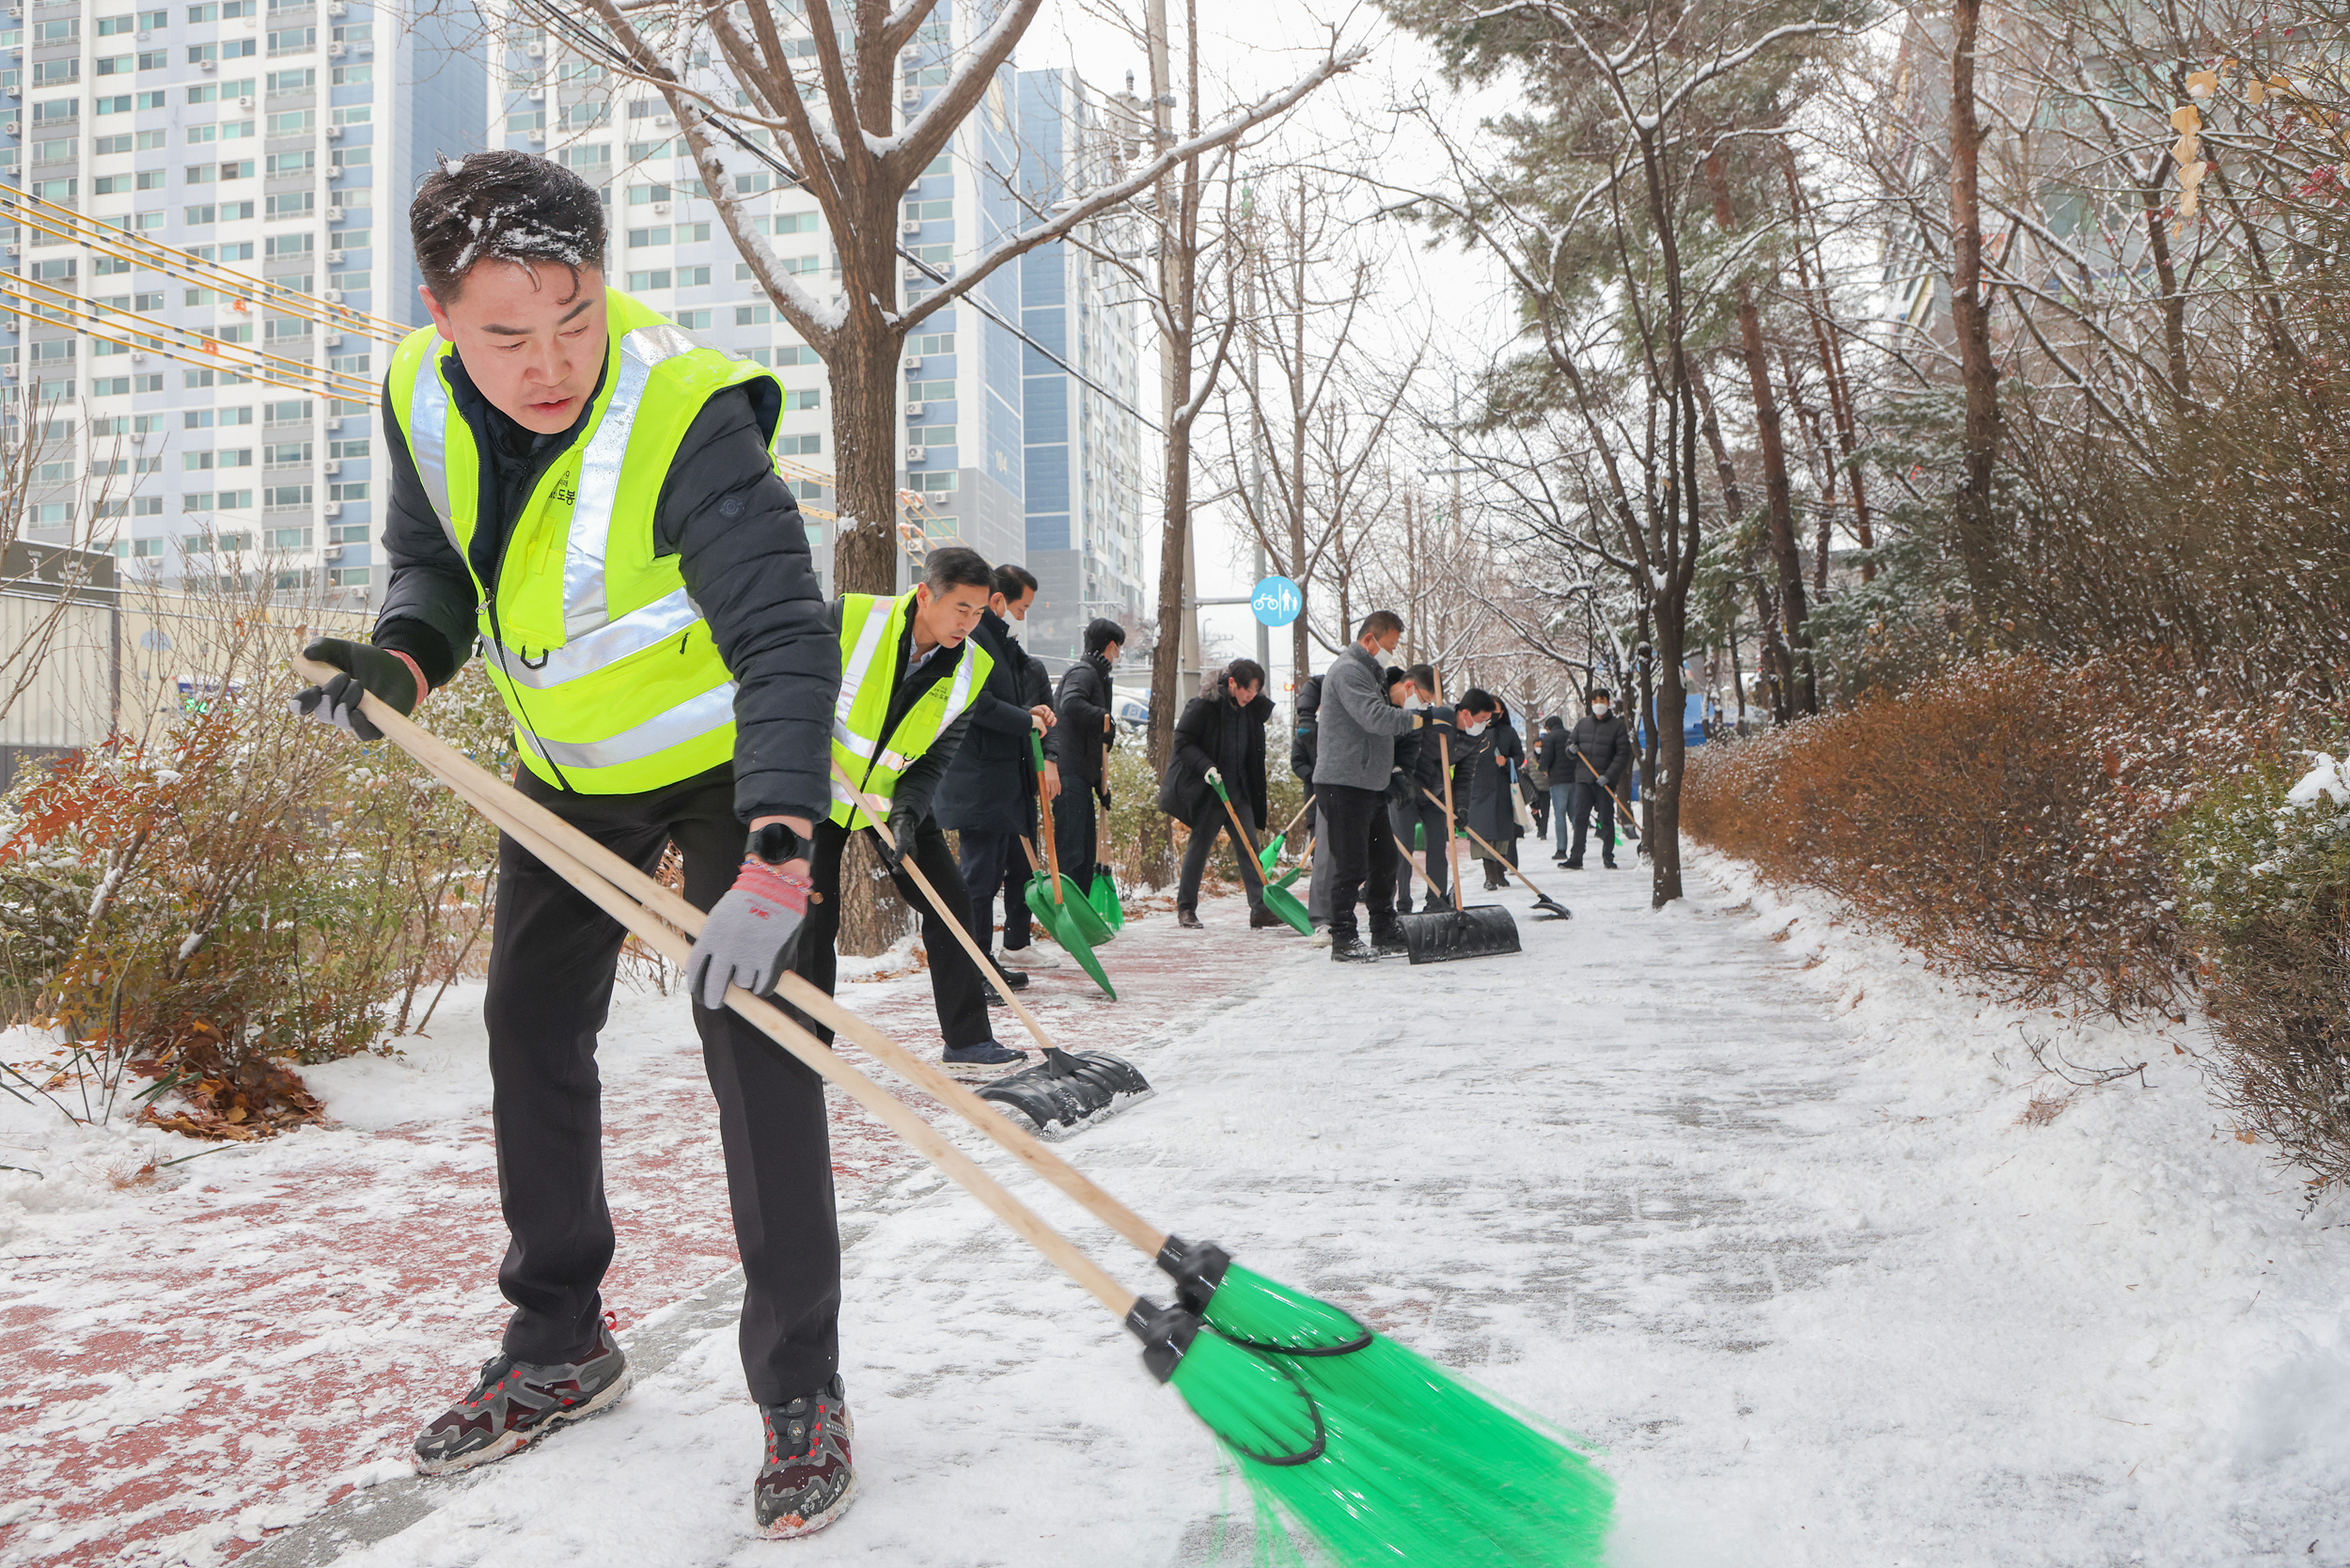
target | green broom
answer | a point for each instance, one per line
(1370, 1451)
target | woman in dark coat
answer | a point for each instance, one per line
(1496, 754)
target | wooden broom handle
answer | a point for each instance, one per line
(1247, 842)
(541, 832)
(905, 864)
(1491, 852)
(1299, 817)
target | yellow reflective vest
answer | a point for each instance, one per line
(606, 666)
(870, 630)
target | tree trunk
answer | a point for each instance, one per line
(2173, 303)
(1978, 545)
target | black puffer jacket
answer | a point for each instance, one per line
(1083, 704)
(1488, 809)
(1601, 747)
(1217, 732)
(992, 781)
(740, 548)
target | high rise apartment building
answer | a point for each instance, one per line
(276, 138)
(1003, 452)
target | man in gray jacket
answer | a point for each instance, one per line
(1354, 756)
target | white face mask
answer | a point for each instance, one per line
(1479, 728)
(1599, 710)
(1411, 704)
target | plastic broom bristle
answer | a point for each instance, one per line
(1416, 1466)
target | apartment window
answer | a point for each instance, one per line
(355, 114)
(812, 396)
(55, 190)
(277, 245)
(356, 448)
(116, 26)
(651, 278)
(692, 321)
(350, 492)
(788, 223)
(693, 278)
(113, 65)
(57, 110)
(348, 282)
(799, 446)
(355, 76)
(293, 81)
(536, 120)
(933, 342)
(291, 163)
(596, 158)
(110, 386)
(754, 315)
(638, 237)
(47, 73)
(929, 391)
(639, 151)
(291, 204)
(293, 122)
(286, 452)
(292, 41)
(286, 413)
(640, 194)
(351, 364)
(797, 353)
(149, 549)
(282, 495)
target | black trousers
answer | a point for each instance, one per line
(992, 865)
(552, 959)
(1362, 850)
(1073, 831)
(958, 989)
(1402, 818)
(1590, 799)
(1211, 821)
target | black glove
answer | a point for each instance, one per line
(364, 669)
(902, 824)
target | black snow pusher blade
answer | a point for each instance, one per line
(1479, 931)
(1068, 1090)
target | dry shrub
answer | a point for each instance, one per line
(2266, 882)
(2007, 818)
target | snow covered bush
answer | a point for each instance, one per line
(243, 892)
(2264, 881)
(2006, 816)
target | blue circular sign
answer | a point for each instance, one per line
(1277, 601)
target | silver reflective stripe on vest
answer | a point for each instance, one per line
(689, 720)
(648, 627)
(428, 443)
(585, 607)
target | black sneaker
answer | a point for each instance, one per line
(1351, 949)
(985, 1054)
(514, 1403)
(1016, 979)
(807, 1481)
(1189, 919)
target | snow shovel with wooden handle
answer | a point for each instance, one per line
(1484, 932)
(1279, 899)
(1543, 901)
(1068, 1090)
(1270, 855)
(1070, 914)
(1253, 1358)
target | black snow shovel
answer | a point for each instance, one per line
(1484, 932)
(1543, 901)
(1069, 1089)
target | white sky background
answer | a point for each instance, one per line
(1253, 47)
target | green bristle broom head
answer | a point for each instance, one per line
(1408, 1464)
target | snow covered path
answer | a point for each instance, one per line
(1738, 1194)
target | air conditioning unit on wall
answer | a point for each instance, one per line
(916, 454)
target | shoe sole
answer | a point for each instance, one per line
(985, 1072)
(791, 1527)
(514, 1442)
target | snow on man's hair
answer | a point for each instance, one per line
(502, 206)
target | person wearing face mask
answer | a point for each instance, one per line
(1354, 759)
(1556, 758)
(1492, 747)
(1599, 751)
(988, 797)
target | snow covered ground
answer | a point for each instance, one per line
(1805, 1240)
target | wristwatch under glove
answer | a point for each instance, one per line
(391, 678)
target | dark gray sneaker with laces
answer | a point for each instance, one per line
(514, 1403)
(807, 1482)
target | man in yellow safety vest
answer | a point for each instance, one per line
(592, 494)
(910, 673)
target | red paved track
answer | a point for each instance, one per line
(195, 1366)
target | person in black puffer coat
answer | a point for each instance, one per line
(1081, 743)
(1419, 766)
(1599, 749)
(988, 795)
(1493, 748)
(1222, 728)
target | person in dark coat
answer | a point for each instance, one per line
(1535, 775)
(1599, 749)
(1493, 752)
(1222, 731)
(988, 796)
(1081, 741)
(1419, 761)
(1556, 763)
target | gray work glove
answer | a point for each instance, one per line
(365, 668)
(743, 938)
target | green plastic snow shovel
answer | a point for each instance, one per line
(1055, 899)
(1270, 855)
(1277, 899)
(1101, 898)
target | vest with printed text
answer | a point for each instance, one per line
(870, 630)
